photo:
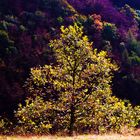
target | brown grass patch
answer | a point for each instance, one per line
(81, 137)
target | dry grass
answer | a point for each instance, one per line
(83, 137)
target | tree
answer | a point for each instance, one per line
(81, 76)
(109, 32)
(77, 90)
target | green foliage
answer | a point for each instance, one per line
(59, 7)
(131, 51)
(74, 95)
(5, 126)
(60, 20)
(125, 55)
(130, 12)
(134, 45)
(112, 115)
(34, 117)
(6, 45)
(109, 32)
(107, 46)
(135, 60)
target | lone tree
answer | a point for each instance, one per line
(81, 76)
(84, 74)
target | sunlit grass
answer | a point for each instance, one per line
(83, 137)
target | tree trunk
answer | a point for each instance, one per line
(72, 120)
(72, 108)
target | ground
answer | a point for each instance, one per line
(83, 137)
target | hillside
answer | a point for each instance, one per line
(69, 66)
(27, 26)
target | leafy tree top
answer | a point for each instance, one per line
(78, 64)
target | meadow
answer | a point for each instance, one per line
(81, 137)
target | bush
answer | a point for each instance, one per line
(108, 114)
(5, 126)
(34, 117)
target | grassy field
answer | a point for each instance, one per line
(84, 137)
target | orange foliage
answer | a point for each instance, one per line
(98, 24)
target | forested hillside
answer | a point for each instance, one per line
(134, 4)
(27, 26)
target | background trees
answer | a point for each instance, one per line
(27, 26)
